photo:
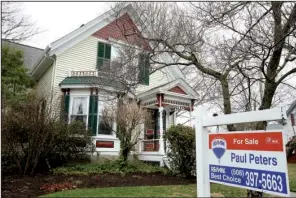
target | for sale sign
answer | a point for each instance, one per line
(251, 160)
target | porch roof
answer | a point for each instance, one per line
(174, 94)
(176, 87)
(90, 80)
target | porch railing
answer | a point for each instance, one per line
(149, 145)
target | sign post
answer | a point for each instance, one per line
(253, 160)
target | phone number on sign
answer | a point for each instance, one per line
(266, 181)
(250, 178)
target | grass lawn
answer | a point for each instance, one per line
(292, 176)
(164, 191)
(150, 191)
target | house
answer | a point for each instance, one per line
(290, 131)
(31, 54)
(68, 69)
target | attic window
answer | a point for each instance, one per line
(103, 56)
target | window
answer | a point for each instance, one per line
(105, 128)
(79, 109)
(104, 56)
(144, 69)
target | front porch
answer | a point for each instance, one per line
(79, 89)
(163, 103)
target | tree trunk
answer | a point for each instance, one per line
(124, 153)
(226, 99)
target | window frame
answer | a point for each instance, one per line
(99, 113)
(72, 96)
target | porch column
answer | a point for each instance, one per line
(160, 109)
(190, 117)
(161, 141)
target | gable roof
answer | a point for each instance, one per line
(187, 90)
(78, 35)
(31, 54)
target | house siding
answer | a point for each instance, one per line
(83, 56)
(156, 79)
(43, 87)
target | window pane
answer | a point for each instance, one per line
(101, 50)
(78, 118)
(79, 105)
(105, 127)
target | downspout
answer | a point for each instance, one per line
(52, 78)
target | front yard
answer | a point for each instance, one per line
(188, 190)
(292, 176)
(103, 181)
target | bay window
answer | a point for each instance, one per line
(104, 128)
(79, 110)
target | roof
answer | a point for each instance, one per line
(291, 108)
(59, 46)
(165, 88)
(91, 80)
(31, 54)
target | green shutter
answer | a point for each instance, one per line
(141, 65)
(144, 69)
(92, 114)
(147, 69)
(101, 50)
(66, 107)
(108, 51)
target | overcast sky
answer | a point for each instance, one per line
(60, 18)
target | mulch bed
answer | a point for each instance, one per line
(16, 186)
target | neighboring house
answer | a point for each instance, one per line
(291, 114)
(67, 67)
(291, 130)
(31, 54)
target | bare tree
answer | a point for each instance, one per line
(128, 116)
(16, 27)
(245, 47)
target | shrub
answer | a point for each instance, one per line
(30, 135)
(109, 167)
(181, 149)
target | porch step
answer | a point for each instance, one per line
(166, 162)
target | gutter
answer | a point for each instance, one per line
(36, 66)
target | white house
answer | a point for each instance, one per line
(68, 63)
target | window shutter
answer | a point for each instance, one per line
(147, 69)
(93, 114)
(141, 65)
(65, 107)
(107, 51)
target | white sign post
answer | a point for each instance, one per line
(252, 160)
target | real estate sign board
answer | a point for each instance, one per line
(251, 160)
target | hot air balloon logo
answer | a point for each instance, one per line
(219, 146)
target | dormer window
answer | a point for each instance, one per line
(104, 56)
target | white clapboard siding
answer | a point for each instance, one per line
(156, 79)
(43, 86)
(82, 57)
